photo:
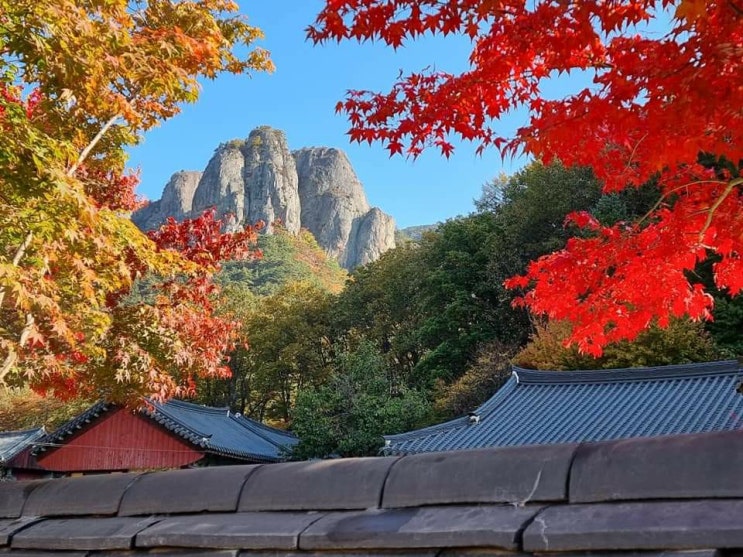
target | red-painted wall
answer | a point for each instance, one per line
(119, 440)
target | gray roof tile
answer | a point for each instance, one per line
(319, 485)
(457, 526)
(14, 442)
(41, 553)
(222, 432)
(511, 475)
(214, 430)
(81, 533)
(548, 407)
(98, 494)
(637, 526)
(212, 489)
(453, 513)
(13, 496)
(264, 530)
(9, 527)
(680, 467)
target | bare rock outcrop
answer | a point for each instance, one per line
(176, 201)
(372, 235)
(260, 179)
(254, 179)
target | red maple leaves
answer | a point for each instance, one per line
(658, 100)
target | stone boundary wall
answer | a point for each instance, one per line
(667, 495)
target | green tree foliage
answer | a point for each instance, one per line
(681, 342)
(289, 348)
(531, 206)
(456, 302)
(727, 327)
(286, 258)
(437, 309)
(378, 305)
(491, 368)
(348, 414)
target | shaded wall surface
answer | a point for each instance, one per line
(669, 495)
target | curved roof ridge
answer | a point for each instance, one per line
(485, 408)
(461, 420)
(192, 406)
(676, 371)
(160, 414)
(27, 431)
(19, 440)
(254, 425)
(261, 430)
(499, 396)
(76, 423)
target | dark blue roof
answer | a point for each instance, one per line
(14, 442)
(215, 430)
(546, 407)
(221, 432)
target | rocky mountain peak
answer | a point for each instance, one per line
(258, 178)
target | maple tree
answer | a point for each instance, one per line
(79, 81)
(663, 107)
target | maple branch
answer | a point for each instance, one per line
(735, 7)
(634, 151)
(12, 356)
(711, 213)
(670, 192)
(16, 261)
(85, 152)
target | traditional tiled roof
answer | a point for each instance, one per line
(13, 443)
(219, 431)
(538, 407)
(673, 496)
(215, 430)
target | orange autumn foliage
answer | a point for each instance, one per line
(80, 81)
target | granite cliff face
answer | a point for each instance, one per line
(260, 179)
(176, 201)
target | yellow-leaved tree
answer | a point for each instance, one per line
(80, 80)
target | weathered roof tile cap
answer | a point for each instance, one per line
(186, 491)
(41, 553)
(461, 526)
(13, 496)
(684, 466)
(636, 526)
(81, 533)
(510, 475)
(343, 484)
(10, 527)
(100, 494)
(264, 530)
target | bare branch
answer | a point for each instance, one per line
(85, 152)
(711, 213)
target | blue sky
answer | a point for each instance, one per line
(299, 98)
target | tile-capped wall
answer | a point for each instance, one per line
(665, 497)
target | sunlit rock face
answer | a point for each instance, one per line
(260, 179)
(176, 201)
